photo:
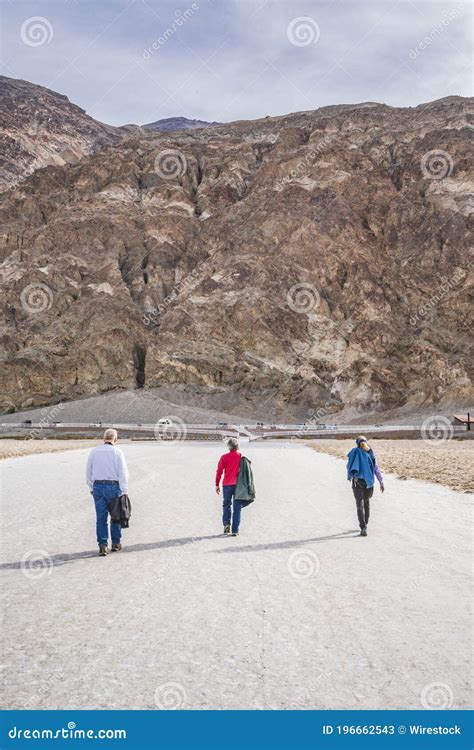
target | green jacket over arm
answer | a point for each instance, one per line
(245, 488)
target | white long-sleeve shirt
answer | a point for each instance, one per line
(107, 462)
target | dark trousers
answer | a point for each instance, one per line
(228, 492)
(362, 496)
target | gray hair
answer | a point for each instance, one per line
(233, 444)
(110, 434)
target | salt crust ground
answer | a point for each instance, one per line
(297, 612)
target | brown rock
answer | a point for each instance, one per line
(41, 128)
(121, 275)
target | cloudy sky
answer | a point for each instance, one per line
(142, 60)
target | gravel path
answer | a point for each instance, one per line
(10, 448)
(297, 612)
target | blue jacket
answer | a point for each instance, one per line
(361, 465)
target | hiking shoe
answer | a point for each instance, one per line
(363, 532)
(235, 533)
(103, 550)
(226, 529)
(116, 547)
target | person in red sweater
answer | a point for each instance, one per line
(228, 466)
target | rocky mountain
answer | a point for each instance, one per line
(40, 127)
(179, 123)
(316, 262)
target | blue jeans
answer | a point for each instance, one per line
(228, 491)
(102, 493)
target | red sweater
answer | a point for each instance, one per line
(229, 464)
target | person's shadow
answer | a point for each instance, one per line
(64, 558)
(68, 557)
(293, 543)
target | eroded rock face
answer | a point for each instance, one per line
(40, 127)
(317, 261)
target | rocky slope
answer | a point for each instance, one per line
(178, 123)
(40, 127)
(317, 261)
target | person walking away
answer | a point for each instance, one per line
(361, 469)
(228, 469)
(107, 478)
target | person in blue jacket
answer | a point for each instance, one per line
(361, 469)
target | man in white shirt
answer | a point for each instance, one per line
(107, 478)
